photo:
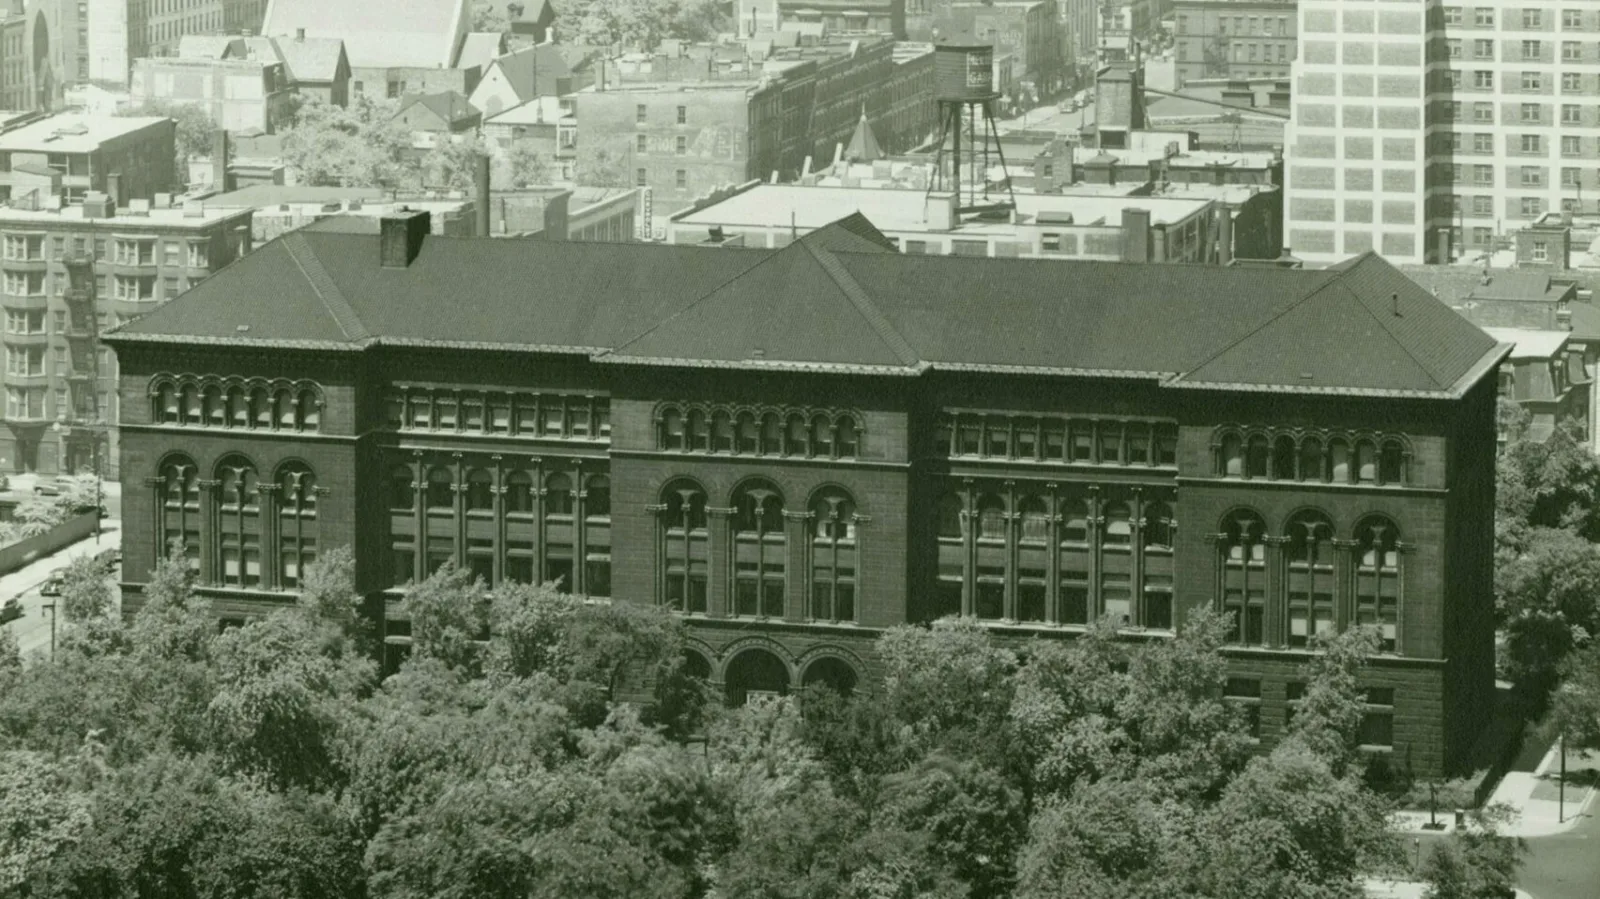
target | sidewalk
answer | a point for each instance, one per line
(33, 629)
(1402, 889)
(1534, 795)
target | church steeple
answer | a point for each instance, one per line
(863, 146)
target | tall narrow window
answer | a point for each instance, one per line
(721, 432)
(1310, 593)
(1283, 458)
(684, 546)
(671, 428)
(771, 434)
(1075, 550)
(597, 536)
(989, 602)
(833, 556)
(402, 493)
(1313, 464)
(1157, 535)
(796, 436)
(519, 493)
(297, 522)
(1231, 456)
(480, 491)
(1244, 576)
(559, 539)
(1033, 558)
(441, 489)
(952, 565)
(1116, 563)
(239, 522)
(845, 436)
(747, 434)
(179, 498)
(759, 550)
(821, 435)
(1257, 457)
(1378, 578)
(1339, 461)
(699, 430)
(1391, 463)
(1366, 462)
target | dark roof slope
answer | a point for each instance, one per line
(840, 300)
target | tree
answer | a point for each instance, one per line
(10, 653)
(1551, 483)
(41, 815)
(948, 683)
(645, 23)
(452, 164)
(1109, 838)
(486, 17)
(174, 622)
(527, 166)
(84, 591)
(973, 816)
(195, 130)
(1328, 719)
(358, 145)
(1475, 863)
(449, 614)
(601, 167)
(1575, 710)
(1546, 599)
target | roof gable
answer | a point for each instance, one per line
(378, 33)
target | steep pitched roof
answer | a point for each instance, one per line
(378, 33)
(449, 106)
(312, 59)
(534, 71)
(479, 48)
(839, 300)
(534, 12)
(863, 146)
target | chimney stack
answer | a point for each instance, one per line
(400, 236)
(299, 34)
(1224, 236)
(220, 161)
(481, 182)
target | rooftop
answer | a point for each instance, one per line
(1531, 343)
(1531, 285)
(840, 301)
(199, 215)
(378, 33)
(73, 133)
(894, 209)
(538, 111)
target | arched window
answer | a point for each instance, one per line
(845, 436)
(821, 435)
(238, 407)
(480, 491)
(284, 409)
(758, 549)
(671, 428)
(1377, 586)
(833, 556)
(1116, 563)
(950, 584)
(1257, 453)
(193, 414)
(597, 535)
(1157, 534)
(441, 488)
(215, 415)
(699, 431)
(721, 432)
(1035, 519)
(558, 494)
(1283, 458)
(1244, 575)
(1074, 553)
(1313, 464)
(519, 493)
(991, 517)
(950, 507)
(310, 409)
(239, 522)
(297, 522)
(402, 493)
(1366, 462)
(684, 545)
(747, 433)
(260, 408)
(796, 435)
(1232, 456)
(771, 434)
(1339, 460)
(1136, 441)
(1119, 524)
(1391, 463)
(1310, 583)
(179, 500)
(166, 411)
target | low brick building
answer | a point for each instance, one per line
(797, 448)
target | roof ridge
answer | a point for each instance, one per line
(344, 315)
(765, 258)
(1422, 366)
(863, 304)
(1280, 313)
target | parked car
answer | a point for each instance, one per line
(11, 611)
(109, 560)
(43, 489)
(52, 584)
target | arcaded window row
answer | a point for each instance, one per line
(499, 413)
(206, 401)
(236, 529)
(1029, 438)
(766, 431)
(1326, 457)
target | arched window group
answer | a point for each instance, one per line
(766, 431)
(1055, 555)
(545, 520)
(761, 535)
(263, 531)
(1327, 581)
(1329, 458)
(214, 402)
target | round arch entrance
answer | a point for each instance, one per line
(756, 672)
(696, 665)
(832, 672)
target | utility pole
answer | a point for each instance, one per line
(51, 608)
(1561, 789)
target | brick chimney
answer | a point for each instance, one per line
(400, 236)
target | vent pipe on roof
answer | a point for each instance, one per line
(1394, 299)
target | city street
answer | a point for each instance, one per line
(33, 628)
(1564, 866)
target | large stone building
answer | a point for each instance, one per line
(1428, 159)
(692, 123)
(70, 273)
(798, 448)
(1233, 39)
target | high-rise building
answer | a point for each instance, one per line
(121, 31)
(1429, 131)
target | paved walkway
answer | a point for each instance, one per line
(1536, 797)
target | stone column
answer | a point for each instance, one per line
(1274, 628)
(267, 512)
(580, 575)
(1094, 524)
(497, 500)
(210, 531)
(419, 512)
(1052, 587)
(797, 564)
(1344, 584)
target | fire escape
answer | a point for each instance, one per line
(81, 426)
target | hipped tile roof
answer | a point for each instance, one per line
(840, 300)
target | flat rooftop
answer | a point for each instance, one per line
(1531, 343)
(175, 217)
(73, 132)
(260, 196)
(893, 209)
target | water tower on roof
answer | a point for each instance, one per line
(969, 143)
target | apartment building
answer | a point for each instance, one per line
(1233, 39)
(237, 94)
(123, 31)
(1497, 124)
(1361, 173)
(69, 155)
(66, 274)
